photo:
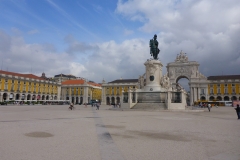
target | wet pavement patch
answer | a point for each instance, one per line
(39, 134)
(157, 135)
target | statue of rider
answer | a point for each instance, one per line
(154, 51)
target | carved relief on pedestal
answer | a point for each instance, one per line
(151, 68)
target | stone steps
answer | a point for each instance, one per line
(150, 106)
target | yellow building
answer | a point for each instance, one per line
(80, 91)
(224, 88)
(113, 92)
(16, 86)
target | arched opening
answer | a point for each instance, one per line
(33, 97)
(108, 100)
(112, 100)
(23, 97)
(43, 97)
(77, 101)
(28, 97)
(226, 98)
(211, 98)
(219, 98)
(47, 98)
(5, 96)
(11, 96)
(118, 100)
(203, 98)
(72, 100)
(17, 97)
(81, 100)
(38, 97)
(183, 82)
(67, 98)
(234, 98)
(55, 98)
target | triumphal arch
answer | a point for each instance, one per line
(183, 68)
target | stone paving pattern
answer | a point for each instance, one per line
(47, 132)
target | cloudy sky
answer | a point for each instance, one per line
(109, 39)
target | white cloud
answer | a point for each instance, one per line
(18, 56)
(207, 30)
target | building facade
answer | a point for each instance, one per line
(16, 86)
(224, 88)
(80, 91)
(113, 92)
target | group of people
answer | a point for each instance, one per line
(204, 105)
(115, 105)
(71, 107)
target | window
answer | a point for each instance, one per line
(233, 85)
(6, 84)
(218, 85)
(18, 82)
(225, 90)
(219, 90)
(233, 90)
(225, 85)
(211, 85)
(211, 91)
(112, 90)
(12, 81)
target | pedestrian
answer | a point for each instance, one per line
(85, 105)
(209, 107)
(238, 111)
(98, 105)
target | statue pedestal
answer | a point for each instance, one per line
(153, 76)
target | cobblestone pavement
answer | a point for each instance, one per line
(43, 132)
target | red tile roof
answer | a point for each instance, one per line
(79, 81)
(21, 75)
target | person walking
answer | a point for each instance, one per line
(98, 105)
(209, 107)
(238, 111)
